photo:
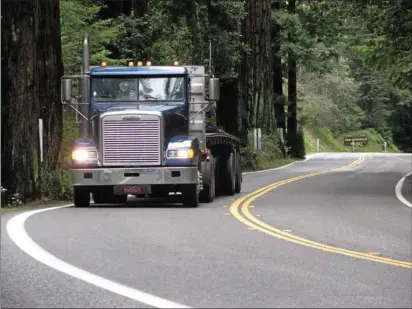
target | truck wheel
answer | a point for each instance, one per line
(230, 174)
(218, 176)
(238, 186)
(207, 195)
(190, 196)
(81, 197)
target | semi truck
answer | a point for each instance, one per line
(143, 132)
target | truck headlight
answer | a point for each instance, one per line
(181, 153)
(84, 154)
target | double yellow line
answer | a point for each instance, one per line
(250, 220)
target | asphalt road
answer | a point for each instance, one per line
(210, 257)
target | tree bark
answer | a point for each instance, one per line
(31, 71)
(279, 103)
(292, 121)
(256, 91)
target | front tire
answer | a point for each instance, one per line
(190, 196)
(207, 195)
(81, 197)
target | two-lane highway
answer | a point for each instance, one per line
(329, 232)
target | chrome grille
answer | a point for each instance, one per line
(128, 142)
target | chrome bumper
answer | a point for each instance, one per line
(134, 176)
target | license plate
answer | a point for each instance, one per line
(132, 189)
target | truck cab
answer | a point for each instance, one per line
(143, 133)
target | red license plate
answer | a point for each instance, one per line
(131, 189)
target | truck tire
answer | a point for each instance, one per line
(81, 197)
(218, 176)
(238, 185)
(190, 196)
(230, 174)
(207, 195)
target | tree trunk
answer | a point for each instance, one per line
(279, 103)
(256, 75)
(31, 71)
(292, 121)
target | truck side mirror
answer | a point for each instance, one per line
(214, 89)
(66, 90)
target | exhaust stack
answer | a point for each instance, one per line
(84, 89)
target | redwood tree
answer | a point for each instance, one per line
(31, 71)
(256, 71)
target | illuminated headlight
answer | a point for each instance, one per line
(84, 154)
(181, 153)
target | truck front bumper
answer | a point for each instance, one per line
(135, 176)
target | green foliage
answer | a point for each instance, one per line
(168, 32)
(329, 100)
(310, 35)
(376, 142)
(327, 141)
(79, 17)
(382, 65)
(148, 38)
(56, 184)
(269, 156)
(298, 149)
(50, 184)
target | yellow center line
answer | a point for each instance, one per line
(250, 220)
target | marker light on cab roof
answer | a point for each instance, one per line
(104, 63)
(139, 63)
(148, 63)
(176, 63)
(131, 63)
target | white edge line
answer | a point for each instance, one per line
(18, 234)
(398, 190)
(280, 167)
(268, 170)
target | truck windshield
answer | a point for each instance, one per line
(109, 89)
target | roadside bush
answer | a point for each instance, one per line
(297, 147)
(270, 153)
(56, 185)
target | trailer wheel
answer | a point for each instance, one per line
(238, 186)
(208, 193)
(190, 195)
(81, 197)
(230, 174)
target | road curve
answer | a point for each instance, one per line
(210, 257)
